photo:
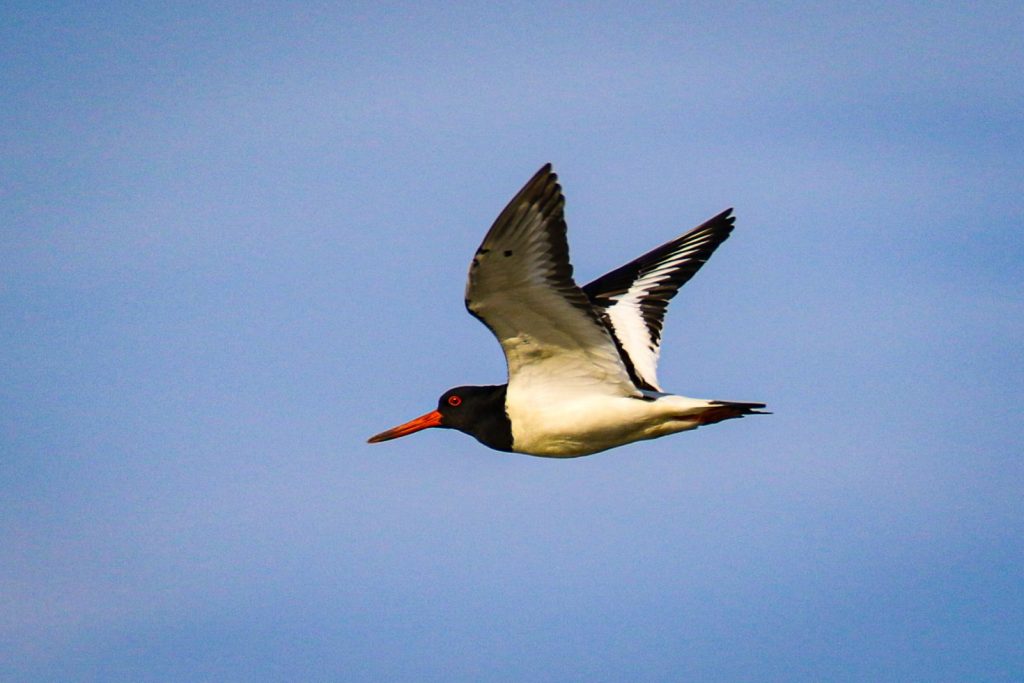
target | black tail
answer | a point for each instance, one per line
(726, 410)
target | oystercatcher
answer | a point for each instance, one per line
(581, 361)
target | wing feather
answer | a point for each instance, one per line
(633, 298)
(520, 286)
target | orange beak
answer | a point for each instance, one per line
(431, 419)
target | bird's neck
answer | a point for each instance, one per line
(491, 425)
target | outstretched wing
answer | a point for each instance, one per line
(632, 299)
(520, 285)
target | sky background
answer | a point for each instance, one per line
(234, 243)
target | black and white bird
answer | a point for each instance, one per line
(581, 361)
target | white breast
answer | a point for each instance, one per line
(566, 425)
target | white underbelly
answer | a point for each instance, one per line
(571, 426)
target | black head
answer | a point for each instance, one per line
(477, 411)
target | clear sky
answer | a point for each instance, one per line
(234, 243)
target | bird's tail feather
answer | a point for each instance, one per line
(726, 410)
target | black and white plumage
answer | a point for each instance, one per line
(633, 298)
(581, 361)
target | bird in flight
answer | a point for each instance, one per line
(581, 360)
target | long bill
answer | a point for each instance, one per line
(431, 419)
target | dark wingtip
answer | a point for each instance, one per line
(544, 171)
(727, 217)
(544, 181)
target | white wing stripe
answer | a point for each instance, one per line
(634, 297)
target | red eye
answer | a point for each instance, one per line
(454, 401)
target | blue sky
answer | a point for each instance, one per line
(234, 245)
